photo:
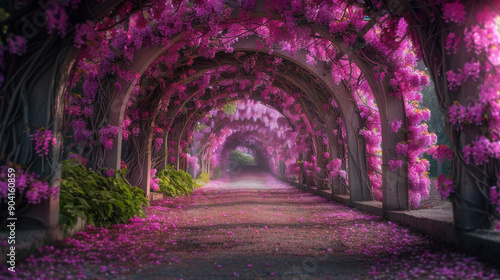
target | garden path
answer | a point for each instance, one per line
(252, 226)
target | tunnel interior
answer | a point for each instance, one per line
(326, 96)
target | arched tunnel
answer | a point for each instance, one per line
(255, 139)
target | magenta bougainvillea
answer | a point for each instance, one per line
(27, 184)
(155, 182)
(322, 31)
(43, 139)
(445, 186)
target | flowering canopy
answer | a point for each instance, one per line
(156, 70)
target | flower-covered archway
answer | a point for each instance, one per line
(148, 72)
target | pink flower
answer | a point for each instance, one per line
(395, 164)
(110, 172)
(78, 158)
(452, 43)
(43, 139)
(454, 12)
(57, 19)
(136, 131)
(402, 149)
(18, 45)
(441, 152)
(395, 125)
(445, 186)
(154, 181)
(158, 143)
(107, 134)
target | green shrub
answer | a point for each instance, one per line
(202, 179)
(100, 201)
(229, 108)
(241, 158)
(217, 173)
(175, 183)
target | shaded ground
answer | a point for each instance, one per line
(252, 226)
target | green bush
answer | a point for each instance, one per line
(241, 158)
(100, 201)
(229, 108)
(175, 183)
(203, 179)
(217, 173)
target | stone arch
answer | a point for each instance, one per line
(358, 169)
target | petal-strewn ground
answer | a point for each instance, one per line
(252, 226)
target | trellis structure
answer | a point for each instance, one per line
(35, 92)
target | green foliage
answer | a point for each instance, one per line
(200, 127)
(217, 173)
(98, 200)
(229, 108)
(175, 183)
(241, 158)
(203, 179)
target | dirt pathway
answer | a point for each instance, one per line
(252, 226)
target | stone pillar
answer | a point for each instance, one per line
(43, 112)
(141, 175)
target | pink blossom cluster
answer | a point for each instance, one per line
(481, 150)
(17, 44)
(27, 184)
(110, 172)
(445, 185)
(80, 133)
(78, 158)
(311, 166)
(395, 125)
(452, 43)
(107, 135)
(441, 152)
(402, 149)
(154, 181)
(334, 168)
(44, 139)
(394, 165)
(470, 70)
(472, 114)
(158, 142)
(56, 17)
(454, 12)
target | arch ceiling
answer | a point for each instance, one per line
(188, 66)
(342, 72)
